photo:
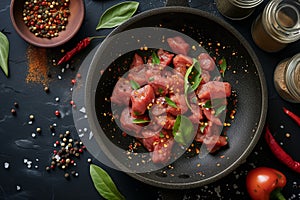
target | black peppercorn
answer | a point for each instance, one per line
(46, 89)
(16, 104)
(13, 111)
(67, 175)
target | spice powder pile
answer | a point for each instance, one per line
(37, 65)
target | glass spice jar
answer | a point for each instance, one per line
(237, 9)
(287, 79)
(277, 26)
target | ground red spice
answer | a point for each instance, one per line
(37, 65)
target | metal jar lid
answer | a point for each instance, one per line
(275, 20)
(292, 76)
(246, 3)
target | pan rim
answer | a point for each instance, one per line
(90, 102)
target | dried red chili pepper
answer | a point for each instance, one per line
(292, 115)
(81, 45)
(280, 153)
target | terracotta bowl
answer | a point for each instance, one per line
(74, 22)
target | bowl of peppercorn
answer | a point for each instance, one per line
(47, 23)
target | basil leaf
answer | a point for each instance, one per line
(219, 110)
(140, 121)
(202, 127)
(207, 104)
(183, 130)
(170, 102)
(155, 58)
(4, 50)
(134, 85)
(192, 79)
(195, 75)
(117, 14)
(104, 184)
(223, 66)
(161, 135)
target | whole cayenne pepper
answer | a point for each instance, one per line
(280, 153)
(81, 45)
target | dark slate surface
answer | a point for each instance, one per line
(17, 144)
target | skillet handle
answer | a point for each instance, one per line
(177, 3)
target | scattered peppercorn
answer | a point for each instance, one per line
(57, 113)
(52, 128)
(13, 111)
(46, 89)
(16, 104)
(31, 117)
(38, 130)
(69, 150)
(67, 175)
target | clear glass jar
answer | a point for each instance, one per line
(287, 79)
(277, 26)
(237, 9)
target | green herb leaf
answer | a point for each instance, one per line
(196, 77)
(4, 50)
(161, 135)
(160, 91)
(219, 110)
(202, 127)
(192, 79)
(104, 184)
(223, 66)
(151, 79)
(140, 121)
(183, 130)
(134, 85)
(207, 104)
(117, 14)
(155, 58)
(170, 102)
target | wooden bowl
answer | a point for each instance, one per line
(75, 20)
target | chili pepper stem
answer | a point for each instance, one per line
(276, 194)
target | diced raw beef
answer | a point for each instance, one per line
(178, 45)
(127, 122)
(122, 92)
(206, 62)
(181, 63)
(164, 57)
(214, 142)
(214, 90)
(159, 84)
(141, 98)
(205, 76)
(149, 139)
(163, 151)
(137, 61)
(196, 114)
(138, 74)
(169, 122)
(211, 117)
(179, 100)
(176, 83)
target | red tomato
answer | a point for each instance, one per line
(263, 181)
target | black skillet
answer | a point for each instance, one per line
(245, 75)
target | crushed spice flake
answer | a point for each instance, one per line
(37, 65)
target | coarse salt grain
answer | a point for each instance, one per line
(18, 188)
(6, 165)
